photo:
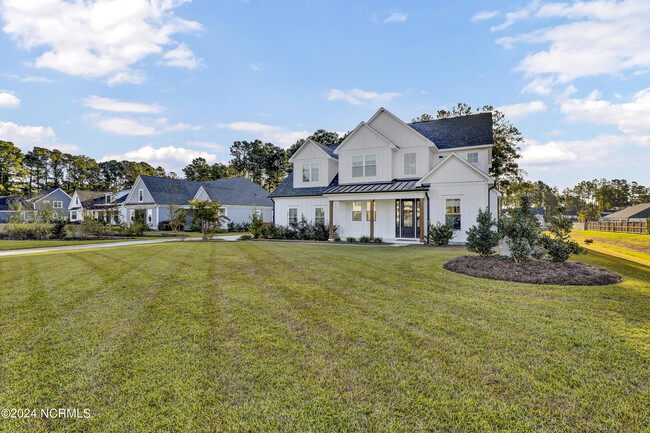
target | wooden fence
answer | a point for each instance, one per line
(617, 227)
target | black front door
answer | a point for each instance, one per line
(408, 218)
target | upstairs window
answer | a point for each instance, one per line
(57, 204)
(371, 165)
(357, 166)
(140, 195)
(472, 157)
(310, 173)
(409, 164)
(452, 212)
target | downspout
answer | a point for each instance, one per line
(426, 194)
(490, 189)
(273, 201)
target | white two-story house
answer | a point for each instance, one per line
(389, 179)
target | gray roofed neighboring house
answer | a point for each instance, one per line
(454, 132)
(639, 212)
(286, 189)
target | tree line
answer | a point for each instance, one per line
(41, 169)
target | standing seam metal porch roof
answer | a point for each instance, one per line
(367, 188)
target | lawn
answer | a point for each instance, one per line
(625, 245)
(254, 336)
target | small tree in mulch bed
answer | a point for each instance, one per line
(440, 234)
(521, 231)
(559, 245)
(481, 238)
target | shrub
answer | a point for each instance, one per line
(589, 241)
(481, 238)
(257, 222)
(304, 230)
(365, 239)
(192, 228)
(245, 237)
(337, 238)
(164, 226)
(58, 229)
(136, 228)
(377, 240)
(31, 231)
(440, 234)
(647, 225)
(350, 239)
(521, 230)
(559, 245)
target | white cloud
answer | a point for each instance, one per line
(578, 154)
(586, 38)
(274, 134)
(255, 66)
(396, 17)
(484, 15)
(109, 104)
(182, 56)
(127, 126)
(171, 158)
(93, 38)
(522, 109)
(33, 79)
(630, 117)
(26, 137)
(359, 97)
(207, 145)
(7, 100)
(128, 76)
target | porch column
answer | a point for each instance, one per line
(372, 218)
(331, 219)
(422, 220)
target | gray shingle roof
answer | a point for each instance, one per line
(394, 186)
(230, 191)
(637, 211)
(286, 189)
(463, 131)
(328, 149)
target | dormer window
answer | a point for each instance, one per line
(472, 157)
(409, 164)
(310, 173)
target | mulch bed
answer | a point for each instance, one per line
(533, 271)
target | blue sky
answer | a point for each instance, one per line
(168, 80)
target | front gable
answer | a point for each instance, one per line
(398, 132)
(454, 169)
(365, 137)
(201, 195)
(134, 196)
(309, 150)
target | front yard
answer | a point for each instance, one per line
(634, 247)
(254, 336)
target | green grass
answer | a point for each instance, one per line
(186, 234)
(254, 336)
(625, 245)
(18, 245)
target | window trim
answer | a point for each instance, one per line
(473, 154)
(450, 215)
(312, 169)
(289, 215)
(366, 165)
(359, 158)
(412, 166)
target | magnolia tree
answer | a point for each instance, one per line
(208, 214)
(481, 238)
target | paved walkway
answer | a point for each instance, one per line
(6, 253)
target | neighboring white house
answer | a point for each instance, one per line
(388, 178)
(98, 204)
(157, 198)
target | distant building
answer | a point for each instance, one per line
(636, 213)
(55, 200)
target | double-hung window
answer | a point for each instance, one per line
(140, 195)
(472, 157)
(319, 215)
(357, 166)
(409, 164)
(310, 172)
(371, 165)
(356, 211)
(452, 212)
(293, 215)
(57, 204)
(370, 212)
